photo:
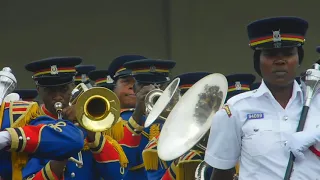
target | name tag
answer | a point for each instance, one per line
(255, 116)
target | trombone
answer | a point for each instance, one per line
(97, 110)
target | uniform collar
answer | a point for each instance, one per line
(45, 111)
(264, 90)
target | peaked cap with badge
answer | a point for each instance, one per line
(27, 94)
(82, 73)
(239, 83)
(275, 33)
(151, 71)
(54, 71)
(187, 80)
(101, 78)
(116, 68)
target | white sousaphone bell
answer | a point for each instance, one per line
(8, 83)
(191, 117)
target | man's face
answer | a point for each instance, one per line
(124, 90)
(51, 95)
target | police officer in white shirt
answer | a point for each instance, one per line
(253, 127)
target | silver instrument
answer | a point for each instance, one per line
(151, 98)
(8, 83)
(79, 163)
(164, 104)
(191, 117)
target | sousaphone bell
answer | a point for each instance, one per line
(191, 117)
(164, 104)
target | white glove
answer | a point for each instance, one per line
(299, 142)
(12, 97)
(5, 139)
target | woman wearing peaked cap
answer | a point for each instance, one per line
(252, 127)
(147, 73)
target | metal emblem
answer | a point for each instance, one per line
(153, 69)
(54, 69)
(109, 79)
(238, 85)
(276, 36)
(83, 77)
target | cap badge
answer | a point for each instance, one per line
(54, 70)
(153, 69)
(83, 77)
(109, 79)
(238, 85)
(276, 36)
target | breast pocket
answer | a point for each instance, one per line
(259, 137)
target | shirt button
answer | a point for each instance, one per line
(73, 174)
(285, 118)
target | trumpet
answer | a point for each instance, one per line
(79, 163)
(98, 109)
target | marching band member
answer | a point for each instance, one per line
(184, 167)
(251, 127)
(123, 88)
(148, 74)
(27, 131)
(82, 73)
(27, 94)
(101, 155)
(101, 78)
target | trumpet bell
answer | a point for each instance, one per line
(191, 117)
(165, 102)
(98, 109)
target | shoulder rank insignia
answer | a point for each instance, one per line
(227, 109)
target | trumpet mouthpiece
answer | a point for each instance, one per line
(58, 106)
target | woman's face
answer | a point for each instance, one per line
(278, 66)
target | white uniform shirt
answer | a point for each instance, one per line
(252, 129)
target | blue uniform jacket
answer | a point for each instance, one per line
(34, 135)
